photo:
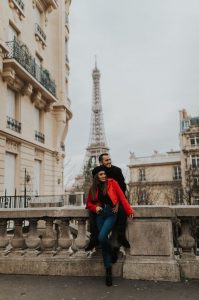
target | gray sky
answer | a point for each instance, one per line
(148, 56)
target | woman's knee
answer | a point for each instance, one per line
(102, 238)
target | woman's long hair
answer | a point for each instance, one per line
(98, 184)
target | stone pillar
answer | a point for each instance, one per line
(18, 242)
(4, 241)
(151, 255)
(185, 240)
(80, 242)
(64, 240)
(32, 241)
(49, 240)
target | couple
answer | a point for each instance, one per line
(108, 206)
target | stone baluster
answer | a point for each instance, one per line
(4, 241)
(185, 240)
(18, 242)
(49, 239)
(81, 241)
(32, 240)
(64, 240)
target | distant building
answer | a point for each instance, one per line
(172, 177)
(34, 103)
(155, 179)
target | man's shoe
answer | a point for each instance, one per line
(108, 276)
(114, 255)
(123, 241)
(91, 245)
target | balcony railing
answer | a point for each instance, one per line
(19, 3)
(40, 137)
(21, 54)
(40, 32)
(13, 124)
(66, 59)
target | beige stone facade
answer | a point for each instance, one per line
(155, 179)
(172, 177)
(34, 103)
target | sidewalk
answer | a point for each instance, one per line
(26, 287)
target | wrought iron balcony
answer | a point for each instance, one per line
(40, 137)
(21, 54)
(66, 19)
(19, 3)
(66, 59)
(39, 32)
(13, 124)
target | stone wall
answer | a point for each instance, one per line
(163, 243)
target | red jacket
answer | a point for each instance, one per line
(116, 195)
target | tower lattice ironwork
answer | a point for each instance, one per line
(97, 140)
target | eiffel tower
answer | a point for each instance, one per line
(97, 140)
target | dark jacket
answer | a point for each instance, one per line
(116, 173)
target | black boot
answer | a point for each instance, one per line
(109, 276)
(92, 244)
(114, 255)
(123, 241)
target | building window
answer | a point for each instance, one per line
(12, 123)
(177, 173)
(142, 175)
(185, 124)
(142, 198)
(10, 169)
(12, 33)
(39, 33)
(179, 196)
(195, 161)
(194, 140)
(196, 182)
(38, 122)
(36, 177)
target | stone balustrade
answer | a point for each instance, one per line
(51, 241)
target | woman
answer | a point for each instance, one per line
(103, 199)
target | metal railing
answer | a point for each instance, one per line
(14, 201)
(13, 124)
(40, 137)
(40, 32)
(21, 53)
(19, 3)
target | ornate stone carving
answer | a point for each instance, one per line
(9, 75)
(37, 100)
(12, 146)
(27, 89)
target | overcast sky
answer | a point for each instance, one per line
(148, 55)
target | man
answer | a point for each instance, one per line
(115, 173)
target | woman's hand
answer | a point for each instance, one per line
(98, 209)
(115, 208)
(131, 216)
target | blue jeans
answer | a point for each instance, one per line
(105, 222)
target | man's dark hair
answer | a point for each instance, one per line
(101, 156)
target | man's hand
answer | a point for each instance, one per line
(98, 209)
(115, 208)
